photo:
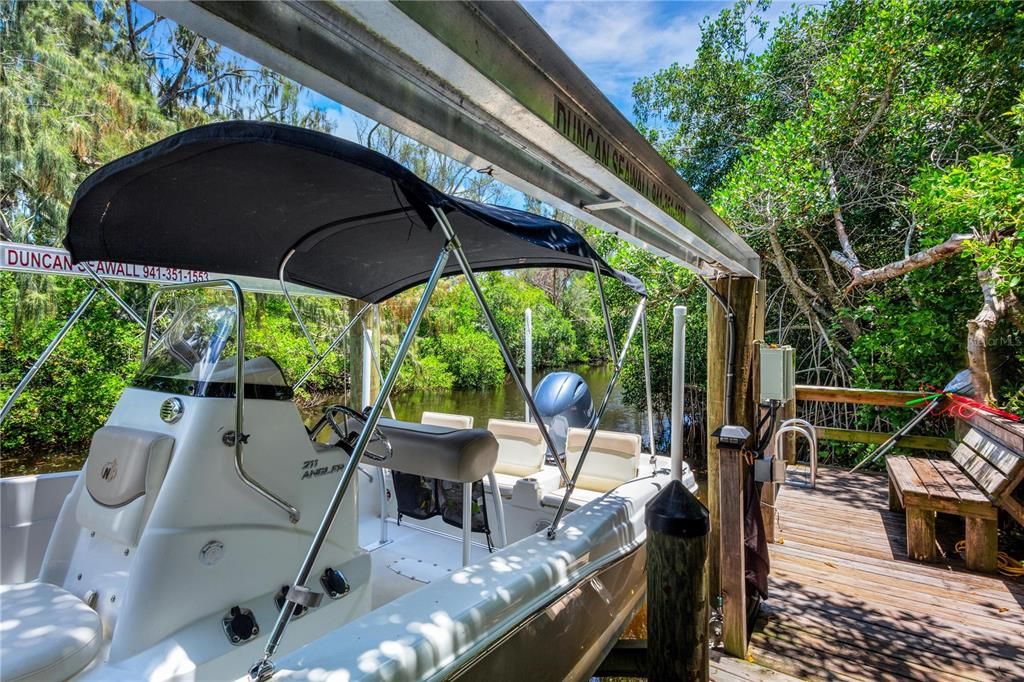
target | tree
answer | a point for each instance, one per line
(817, 150)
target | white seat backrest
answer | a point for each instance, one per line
(613, 458)
(521, 447)
(454, 421)
(123, 474)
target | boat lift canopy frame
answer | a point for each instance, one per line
(482, 83)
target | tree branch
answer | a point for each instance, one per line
(173, 90)
(939, 252)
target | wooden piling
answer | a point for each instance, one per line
(725, 506)
(677, 587)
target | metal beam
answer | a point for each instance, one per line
(483, 84)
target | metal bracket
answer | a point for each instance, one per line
(303, 596)
(229, 438)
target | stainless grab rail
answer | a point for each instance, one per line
(806, 429)
(293, 513)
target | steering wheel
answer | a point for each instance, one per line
(347, 437)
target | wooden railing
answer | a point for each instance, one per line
(878, 398)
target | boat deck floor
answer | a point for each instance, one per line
(846, 603)
(412, 558)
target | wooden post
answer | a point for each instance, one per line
(355, 358)
(734, 593)
(725, 499)
(373, 324)
(677, 587)
(789, 439)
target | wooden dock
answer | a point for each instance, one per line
(845, 603)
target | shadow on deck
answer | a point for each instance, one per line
(845, 602)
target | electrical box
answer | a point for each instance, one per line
(770, 470)
(778, 373)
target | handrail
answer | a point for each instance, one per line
(293, 512)
(805, 428)
(914, 442)
(857, 396)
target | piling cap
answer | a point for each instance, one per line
(677, 512)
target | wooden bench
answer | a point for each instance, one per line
(986, 469)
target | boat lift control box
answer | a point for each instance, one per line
(778, 373)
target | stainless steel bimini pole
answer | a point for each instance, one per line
(291, 303)
(23, 384)
(460, 256)
(113, 294)
(604, 311)
(264, 668)
(334, 344)
(640, 307)
(647, 380)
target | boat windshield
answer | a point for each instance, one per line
(195, 356)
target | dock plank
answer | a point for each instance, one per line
(845, 603)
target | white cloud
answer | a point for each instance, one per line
(617, 43)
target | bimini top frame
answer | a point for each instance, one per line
(278, 202)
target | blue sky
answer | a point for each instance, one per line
(614, 43)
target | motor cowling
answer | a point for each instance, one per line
(564, 401)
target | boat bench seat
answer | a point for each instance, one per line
(451, 454)
(521, 451)
(47, 633)
(613, 459)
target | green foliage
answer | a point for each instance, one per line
(984, 197)
(471, 355)
(424, 373)
(861, 133)
(73, 393)
(554, 339)
(668, 285)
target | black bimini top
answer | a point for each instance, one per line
(238, 197)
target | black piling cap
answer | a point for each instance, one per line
(677, 512)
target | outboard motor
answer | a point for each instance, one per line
(563, 400)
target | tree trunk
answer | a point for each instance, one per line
(978, 332)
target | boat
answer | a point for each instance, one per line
(212, 535)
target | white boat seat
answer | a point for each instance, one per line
(123, 473)
(460, 455)
(613, 458)
(46, 633)
(454, 421)
(521, 447)
(579, 497)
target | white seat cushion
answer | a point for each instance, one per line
(453, 421)
(612, 460)
(578, 498)
(521, 447)
(46, 633)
